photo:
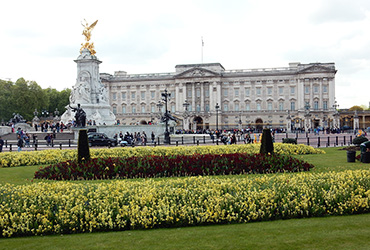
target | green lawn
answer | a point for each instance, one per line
(344, 232)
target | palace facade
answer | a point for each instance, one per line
(207, 96)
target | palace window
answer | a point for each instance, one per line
(142, 95)
(325, 88)
(133, 95)
(198, 92)
(152, 94)
(207, 107)
(307, 89)
(198, 108)
(236, 91)
(247, 92)
(281, 90)
(269, 90)
(247, 106)
(226, 107)
(292, 90)
(114, 96)
(225, 92)
(292, 105)
(133, 109)
(258, 91)
(281, 106)
(236, 107)
(269, 106)
(114, 110)
(315, 105)
(325, 105)
(123, 96)
(258, 106)
(143, 109)
(123, 109)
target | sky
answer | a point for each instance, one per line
(40, 39)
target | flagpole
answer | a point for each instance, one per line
(202, 49)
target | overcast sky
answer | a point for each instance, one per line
(40, 39)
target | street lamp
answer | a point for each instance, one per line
(217, 107)
(45, 113)
(165, 97)
(185, 115)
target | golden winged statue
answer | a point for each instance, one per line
(87, 33)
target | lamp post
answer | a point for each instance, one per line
(45, 113)
(165, 97)
(307, 115)
(217, 107)
(186, 114)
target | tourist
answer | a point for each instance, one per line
(1, 144)
(153, 136)
(20, 143)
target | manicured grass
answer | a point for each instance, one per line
(344, 232)
(334, 160)
(17, 175)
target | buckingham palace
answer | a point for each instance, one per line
(207, 96)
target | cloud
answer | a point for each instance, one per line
(341, 11)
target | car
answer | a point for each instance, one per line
(100, 139)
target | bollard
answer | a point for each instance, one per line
(69, 142)
(194, 139)
(35, 146)
(344, 140)
(336, 140)
(308, 141)
(52, 143)
(197, 142)
(204, 139)
(328, 141)
(217, 142)
(182, 140)
(318, 142)
(177, 143)
(350, 139)
(10, 147)
(60, 146)
(6, 143)
(158, 140)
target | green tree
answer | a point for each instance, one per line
(356, 108)
(23, 97)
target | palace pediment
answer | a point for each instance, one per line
(197, 72)
(317, 68)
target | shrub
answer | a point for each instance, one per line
(290, 140)
(266, 144)
(83, 151)
(359, 139)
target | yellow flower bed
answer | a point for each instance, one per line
(29, 158)
(65, 207)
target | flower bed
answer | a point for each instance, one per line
(66, 207)
(30, 158)
(176, 165)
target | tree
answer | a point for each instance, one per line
(356, 108)
(24, 97)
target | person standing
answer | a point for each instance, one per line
(1, 144)
(20, 143)
(153, 136)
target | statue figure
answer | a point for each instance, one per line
(80, 116)
(87, 33)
